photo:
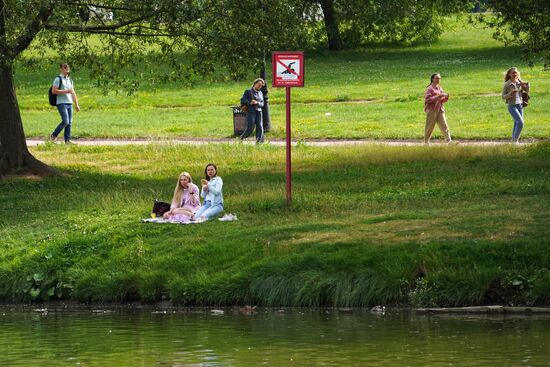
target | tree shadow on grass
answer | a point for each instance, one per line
(362, 185)
(83, 230)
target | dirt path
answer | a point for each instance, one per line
(279, 142)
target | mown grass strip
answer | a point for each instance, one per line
(392, 79)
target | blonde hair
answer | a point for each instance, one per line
(258, 80)
(178, 191)
(508, 72)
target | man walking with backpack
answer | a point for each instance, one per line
(63, 90)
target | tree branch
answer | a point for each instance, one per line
(133, 34)
(95, 29)
(76, 3)
(98, 16)
(25, 39)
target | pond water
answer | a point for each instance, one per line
(269, 337)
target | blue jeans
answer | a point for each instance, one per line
(516, 110)
(208, 210)
(66, 112)
(254, 118)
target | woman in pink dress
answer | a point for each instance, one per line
(186, 200)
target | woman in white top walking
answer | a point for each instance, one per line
(512, 95)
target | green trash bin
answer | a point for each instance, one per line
(239, 120)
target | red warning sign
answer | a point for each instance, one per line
(288, 69)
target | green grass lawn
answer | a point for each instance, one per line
(369, 225)
(372, 93)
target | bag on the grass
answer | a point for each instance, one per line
(159, 208)
(53, 97)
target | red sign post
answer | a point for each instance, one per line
(288, 71)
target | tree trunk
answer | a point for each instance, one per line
(331, 25)
(14, 155)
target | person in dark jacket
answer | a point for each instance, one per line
(254, 100)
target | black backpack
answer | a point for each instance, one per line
(159, 208)
(53, 97)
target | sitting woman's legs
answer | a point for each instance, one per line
(212, 211)
(202, 209)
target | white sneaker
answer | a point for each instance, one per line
(228, 218)
(199, 220)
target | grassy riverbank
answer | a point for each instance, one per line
(371, 93)
(370, 225)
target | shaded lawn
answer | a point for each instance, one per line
(366, 224)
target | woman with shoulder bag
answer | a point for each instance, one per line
(512, 92)
(253, 98)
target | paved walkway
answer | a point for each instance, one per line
(278, 142)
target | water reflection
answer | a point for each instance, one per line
(269, 338)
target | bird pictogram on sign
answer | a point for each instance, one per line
(288, 69)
